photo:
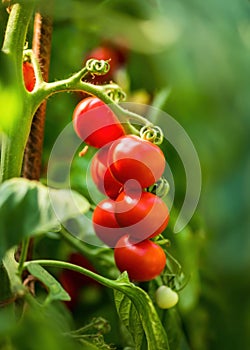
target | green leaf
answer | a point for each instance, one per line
(25, 210)
(28, 208)
(56, 291)
(39, 329)
(130, 318)
(144, 315)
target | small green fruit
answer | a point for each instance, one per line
(166, 297)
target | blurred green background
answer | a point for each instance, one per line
(201, 50)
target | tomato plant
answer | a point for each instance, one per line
(102, 176)
(95, 123)
(131, 157)
(143, 261)
(50, 233)
(143, 214)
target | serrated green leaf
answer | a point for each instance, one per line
(129, 316)
(28, 208)
(56, 291)
(146, 315)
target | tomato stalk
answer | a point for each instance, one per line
(109, 93)
(23, 255)
(15, 138)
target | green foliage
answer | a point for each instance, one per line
(56, 292)
(138, 313)
(28, 208)
(201, 51)
(130, 318)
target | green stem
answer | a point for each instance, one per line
(23, 256)
(14, 141)
(65, 265)
(89, 253)
(101, 258)
(74, 83)
(16, 31)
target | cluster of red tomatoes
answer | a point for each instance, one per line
(123, 168)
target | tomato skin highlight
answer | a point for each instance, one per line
(143, 261)
(102, 176)
(95, 123)
(104, 222)
(131, 157)
(142, 213)
(29, 76)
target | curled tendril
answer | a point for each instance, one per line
(152, 133)
(160, 188)
(116, 95)
(97, 67)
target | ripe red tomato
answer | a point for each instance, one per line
(102, 176)
(95, 123)
(105, 224)
(142, 213)
(131, 157)
(143, 261)
(29, 76)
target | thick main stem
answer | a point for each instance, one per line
(14, 140)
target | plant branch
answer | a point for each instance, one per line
(65, 265)
(74, 83)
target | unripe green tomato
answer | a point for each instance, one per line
(166, 297)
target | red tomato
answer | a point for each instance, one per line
(95, 123)
(130, 157)
(29, 76)
(105, 224)
(102, 176)
(143, 261)
(142, 213)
